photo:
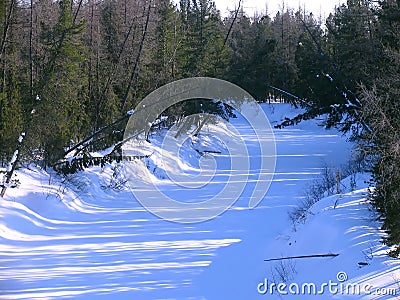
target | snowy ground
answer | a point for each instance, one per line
(79, 239)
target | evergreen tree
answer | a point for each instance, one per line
(381, 111)
(168, 37)
(286, 31)
(317, 84)
(344, 57)
(202, 52)
(351, 35)
(60, 118)
(11, 121)
(106, 84)
(252, 44)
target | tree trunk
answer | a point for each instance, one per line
(13, 164)
(7, 25)
(135, 67)
(233, 23)
(31, 50)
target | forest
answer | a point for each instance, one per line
(72, 70)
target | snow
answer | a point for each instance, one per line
(102, 153)
(159, 121)
(81, 238)
(12, 161)
(329, 77)
(21, 137)
(340, 224)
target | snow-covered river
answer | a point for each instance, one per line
(94, 243)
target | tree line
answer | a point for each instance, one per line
(69, 68)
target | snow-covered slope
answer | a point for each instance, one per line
(86, 236)
(344, 225)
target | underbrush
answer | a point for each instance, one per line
(329, 182)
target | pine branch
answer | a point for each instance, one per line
(290, 95)
(90, 138)
(353, 104)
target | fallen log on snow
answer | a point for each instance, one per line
(303, 256)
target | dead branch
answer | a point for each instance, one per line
(303, 256)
